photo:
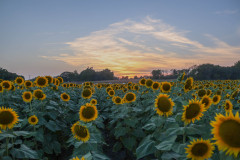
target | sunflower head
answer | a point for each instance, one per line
(28, 84)
(65, 97)
(165, 87)
(148, 83)
(155, 85)
(60, 79)
(200, 149)
(201, 93)
(228, 106)
(234, 94)
(1, 88)
(19, 80)
(80, 132)
(88, 113)
(207, 101)
(27, 96)
(6, 85)
(164, 105)
(188, 84)
(50, 79)
(111, 93)
(8, 118)
(38, 94)
(108, 89)
(33, 120)
(226, 131)
(87, 93)
(41, 81)
(193, 111)
(216, 99)
(93, 102)
(142, 81)
(130, 97)
(118, 100)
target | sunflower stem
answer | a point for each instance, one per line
(34, 129)
(31, 107)
(184, 133)
(7, 139)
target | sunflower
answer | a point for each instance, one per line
(118, 100)
(155, 85)
(60, 79)
(226, 131)
(111, 93)
(93, 102)
(6, 85)
(80, 132)
(28, 84)
(209, 92)
(19, 80)
(188, 84)
(13, 87)
(148, 83)
(207, 101)
(200, 149)
(8, 118)
(88, 113)
(86, 93)
(65, 85)
(65, 97)
(1, 88)
(38, 94)
(27, 96)
(165, 87)
(41, 81)
(130, 97)
(108, 89)
(216, 99)
(234, 94)
(54, 87)
(193, 111)
(136, 87)
(76, 158)
(33, 120)
(201, 93)
(228, 106)
(164, 105)
(50, 79)
(142, 81)
(56, 81)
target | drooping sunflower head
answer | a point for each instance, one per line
(60, 79)
(216, 99)
(111, 93)
(6, 85)
(142, 81)
(33, 120)
(93, 102)
(80, 132)
(201, 93)
(27, 96)
(228, 106)
(50, 79)
(65, 97)
(193, 111)
(38, 94)
(148, 83)
(200, 149)
(155, 85)
(117, 100)
(165, 87)
(130, 97)
(87, 93)
(164, 105)
(41, 82)
(88, 113)
(8, 118)
(28, 84)
(19, 80)
(234, 94)
(188, 84)
(56, 81)
(209, 92)
(207, 101)
(226, 131)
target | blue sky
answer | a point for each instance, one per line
(42, 37)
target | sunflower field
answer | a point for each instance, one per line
(48, 119)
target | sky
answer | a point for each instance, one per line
(42, 37)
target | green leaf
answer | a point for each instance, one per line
(21, 133)
(170, 156)
(167, 144)
(6, 158)
(149, 126)
(24, 152)
(117, 146)
(179, 148)
(53, 103)
(145, 148)
(51, 125)
(120, 131)
(99, 156)
(129, 142)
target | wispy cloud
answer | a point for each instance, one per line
(227, 12)
(135, 48)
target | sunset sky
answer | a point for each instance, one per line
(129, 37)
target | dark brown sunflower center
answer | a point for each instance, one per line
(6, 85)
(164, 104)
(38, 94)
(166, 87)
(93, 102)
(88, 112)
(229, 131)
(6, 117)
(155, 85)
(192, 111)
(33, 119)
(149, 83)
(199, 149)
(130, 97)
(205, 101)
(65, 96)
(111, 92)
(215, 98)
(201, 93)
(19, 81)
(118, 100)
(143, 81)
(28, 84)
(86, 93)
(42, 81)
(27, 96)
(80, 131)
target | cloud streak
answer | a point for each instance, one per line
(135, 48)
